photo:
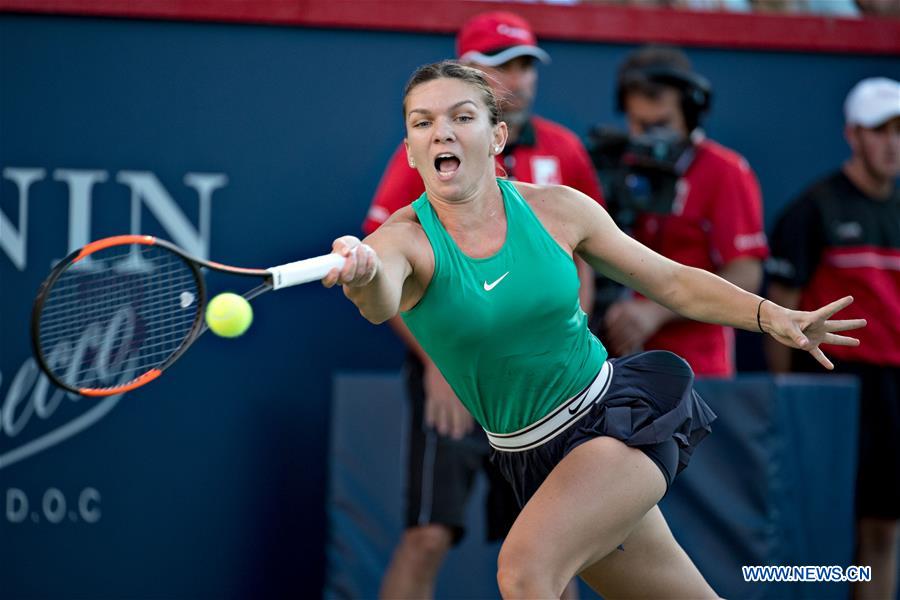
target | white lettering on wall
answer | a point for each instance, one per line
(13, 241)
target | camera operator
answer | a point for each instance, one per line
(681, 194)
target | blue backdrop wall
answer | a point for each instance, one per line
(252, 145)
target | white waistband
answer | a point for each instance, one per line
(556, 422)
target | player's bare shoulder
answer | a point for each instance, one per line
(551, 200)
(559, 208)
(403, 233)
(401, 228)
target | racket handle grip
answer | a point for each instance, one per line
(304, 271)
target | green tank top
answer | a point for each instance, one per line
(506, 331)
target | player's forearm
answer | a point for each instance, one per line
(378, 300)
(745, 273)
(703, 296)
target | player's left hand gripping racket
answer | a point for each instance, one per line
(115, 314)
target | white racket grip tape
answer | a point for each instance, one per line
(304, 271)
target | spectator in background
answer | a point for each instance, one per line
(844, 233)
(711, 219)
(446, 451)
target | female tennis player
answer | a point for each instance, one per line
(481, 270)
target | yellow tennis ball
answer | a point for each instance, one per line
(229, 315)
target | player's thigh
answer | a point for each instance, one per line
(585, 508)
(651, 564)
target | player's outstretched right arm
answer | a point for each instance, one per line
(374, 273)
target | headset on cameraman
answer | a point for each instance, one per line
(695, 90)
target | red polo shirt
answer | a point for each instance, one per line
(835, 240)
(716, 218)
(546, 153)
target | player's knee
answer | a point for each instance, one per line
(512, 579)
(521, 573)
(428, 543)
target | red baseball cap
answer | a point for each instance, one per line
(493, 38)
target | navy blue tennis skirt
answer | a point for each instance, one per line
(646, 400)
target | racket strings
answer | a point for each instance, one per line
(111, 319)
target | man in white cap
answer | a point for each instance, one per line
(445, 450)
(842, 236)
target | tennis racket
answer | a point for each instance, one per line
(115, 314)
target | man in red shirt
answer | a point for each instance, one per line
(446, 452)
(714, 221)
(840, 236)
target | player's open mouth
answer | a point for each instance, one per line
(446, 165)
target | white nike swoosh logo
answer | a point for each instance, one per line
(489, 286)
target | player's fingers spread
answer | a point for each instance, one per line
(830, 309)
(845, 325)
(840, 340)
(799, 339)
(820, 356)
